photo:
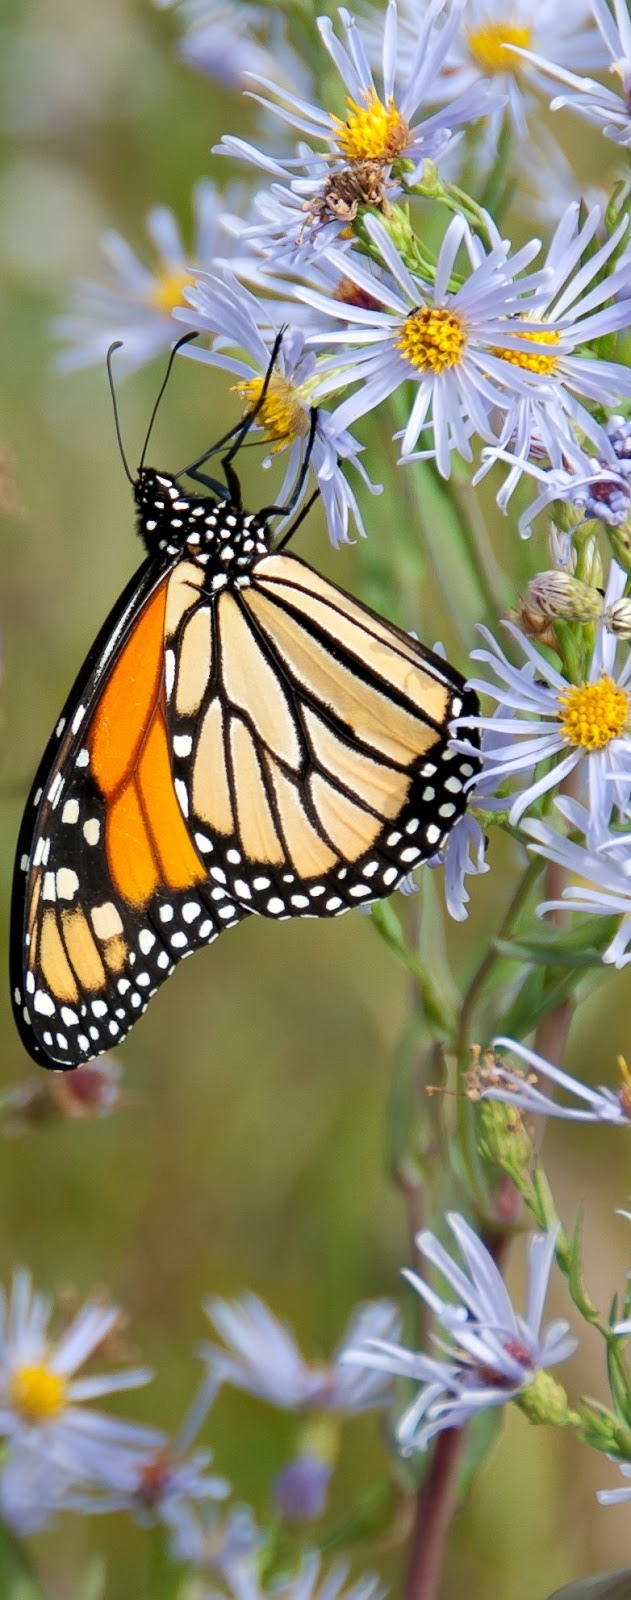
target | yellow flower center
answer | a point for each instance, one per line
(372, 131)
(592, 714)
(531, 363)
(432, 338)
(37, 1393)
(488, 45)
(283, 413)
(167, 288)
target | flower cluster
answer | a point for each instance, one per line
(63, 1455)
(363, 293)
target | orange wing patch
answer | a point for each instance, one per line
(147, 842)
(129, 700)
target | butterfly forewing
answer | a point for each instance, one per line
(110, 892)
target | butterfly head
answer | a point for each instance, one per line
(163, 510)
(213, 531)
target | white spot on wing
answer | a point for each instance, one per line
(106, 920)
(67, 883)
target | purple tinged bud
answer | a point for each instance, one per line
(300, 1491)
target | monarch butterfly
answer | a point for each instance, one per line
(243, 737)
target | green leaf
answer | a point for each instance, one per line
(435, 1004)
(575, 1273)
(580, 945)
(608, 1586)
(17, 1580)
(540, 993)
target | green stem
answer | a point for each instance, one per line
(466, 1130)
(439, 515)
(496, 192)
(493, 956)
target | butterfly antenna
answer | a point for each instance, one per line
(239, 431)
(117, 345)
(186, 339)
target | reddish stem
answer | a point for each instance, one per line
(435, 1506)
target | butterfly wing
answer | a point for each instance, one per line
(110, 891)
(310, 742)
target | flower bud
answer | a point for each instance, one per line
(558, 595)
(545, 1401)
(617, 617)
(505, 1138)
(300, 1491)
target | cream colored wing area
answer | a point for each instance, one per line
(383, 788)
(309, 854)
(286, 576)
(371, 715)
(351, 829)
(194, 663)
(210, 790)
(256, 831)
(251, 683)
(381, 652)
(183, 592)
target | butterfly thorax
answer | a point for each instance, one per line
(218, 534)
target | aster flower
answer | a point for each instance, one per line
(604, 887)
(94, 1090)
(545, 420)
(41, 1396)
(582, 727)
(605, 494)
(591, 100)
(294, 220)
(234, 316)
(34, 1489)
(482, 50)
(166, 1482)
(492, 1353)
(602, 492)
(386, 134)
(225, 1545)
(229, 42)
(443, 341)
(497, 1079)
(261, 1357)
(315, 1582)
(136, 303)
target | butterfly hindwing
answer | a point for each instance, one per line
(310, 743)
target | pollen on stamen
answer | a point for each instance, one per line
(537, 362)
(37, 1393)
(284, 413)
(488, 45)
(592, 714)
(432, 338)
(168, 287)
(371, 130)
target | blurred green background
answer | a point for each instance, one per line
(252, 1151)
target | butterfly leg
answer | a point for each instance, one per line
(236, 435)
